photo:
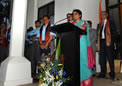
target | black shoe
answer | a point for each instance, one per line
(101, 76)
(94, 75)
(112, 78)
(35, 80)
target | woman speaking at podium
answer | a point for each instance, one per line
(85, 71)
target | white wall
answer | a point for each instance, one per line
(89, 8)
(32, 13)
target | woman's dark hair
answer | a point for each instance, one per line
(78, 11)
(46, 16)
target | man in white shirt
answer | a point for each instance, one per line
(106, 37)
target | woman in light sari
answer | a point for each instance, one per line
(85, 71)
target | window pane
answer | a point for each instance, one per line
(51, 9)
(115, 17)
(42, 12)
(113, 2)
(47, 10)
(52, 19)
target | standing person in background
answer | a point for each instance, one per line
(8, 35)
(69, 17)
(8, 39)
(28, 44)
(46, 36)
(93, 38)
(3, 42)
(35, 47)
(106, 36)
(29, 53)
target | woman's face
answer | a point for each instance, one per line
(76, 16)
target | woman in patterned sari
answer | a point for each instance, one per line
(85, 71)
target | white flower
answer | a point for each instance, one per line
(44, 84)
(60, 72)
(59, 83)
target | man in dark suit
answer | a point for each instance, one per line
(106, 36)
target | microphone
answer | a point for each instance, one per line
(60, 21)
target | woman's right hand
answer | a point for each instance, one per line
(82, 27)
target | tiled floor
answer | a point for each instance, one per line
(99, 82)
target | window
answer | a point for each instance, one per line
(113, 2)
(115, 14)
(115, 17)
(47, 10)
(4, 11)
(113, 8)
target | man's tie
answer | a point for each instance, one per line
(101, 29)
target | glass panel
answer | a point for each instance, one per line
(113, 2)
(115, 17)
(46, 10)
(51, 9)
(42, 12)
(52, 19)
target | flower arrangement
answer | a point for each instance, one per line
(51, 72)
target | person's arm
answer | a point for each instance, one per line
(52, 35)
(26, 37)
(47, 44)
(34, 37)
(40, 41)
(94, 36)
(41, 44)
(83, 27)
